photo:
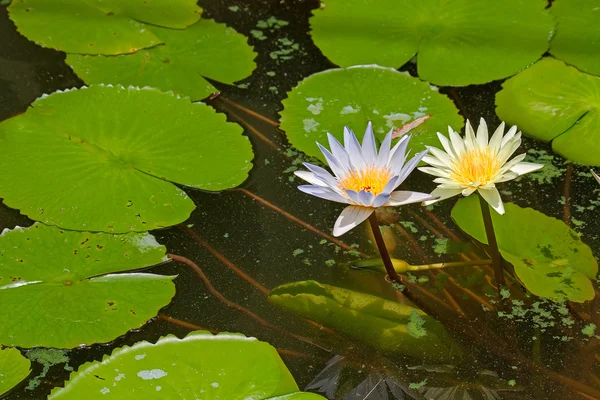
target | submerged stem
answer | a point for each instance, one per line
(383, 251)
(492, 243)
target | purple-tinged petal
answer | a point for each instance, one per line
(310, 178)
(384, 150)
(409, 167)
(380, 199)
(353, 149)
(398, 152)
(369, 147)
(323, 193)
(322, 174)
(390, 185)
(353, 195)
(333, 163)
(339, 152)
(366, 198)
(351, 217)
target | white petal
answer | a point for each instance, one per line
(440, 155)
(525, 168)
(353, 149)
(443, 193)
(380, 199)
(350, 217)
(333, 163)
(409, 167)
(468, 191)
(505, 177)
(457, 143)
(435, 171)
(310, 178)
(595, 175)
(369, 147)
(401, 197)
(323, 193)
(496, 139)
(470, 140)
(507, 151)
(493, 198)
(482, 133)
(509, 135)
(366, 198)
(434, 162)
(398, 152)
(339, 152)
(322, 174)
(446, 145)
(384, 150)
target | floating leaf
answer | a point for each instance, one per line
(549, 257)
(577, 39)
(201, 365)
(59, 288)
(551, 101)
(458, 42)
(371, 319)
(99, 26)
(13, 369)
(101, 158)
(204, 49)
(326, 101)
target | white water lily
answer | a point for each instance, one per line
(362, 176)
(474, 163)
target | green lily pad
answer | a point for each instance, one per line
(385, 325)
(326, 101)
(13, 369)
(101, 158)
(551, 101)
(59, 288)
(549, 257)
(204, 49)
(577, 38)
(99, 26)
(457, 42)
(226, 366)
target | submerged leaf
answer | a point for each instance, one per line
(577, 39)
(99, 26)
(373, 320)
(548, 256)
(204, 366)
(60, 288)
(457, 42)
(103, 158)
(551, 101)
(205, 49)
(13, 369)
(329, 100)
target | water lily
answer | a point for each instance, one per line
(362, 177)
(476, 164)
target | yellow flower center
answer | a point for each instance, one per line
(476, 167)
(370, 179)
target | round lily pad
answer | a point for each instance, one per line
(327, 101)
(457, 42)
(60, 288)
(549, 257)
(551, 101)
(203, 366)
(13, 369)
(205, 49)
(102, 158)
(99, 26)
(577, 38)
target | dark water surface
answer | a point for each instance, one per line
(273, 249)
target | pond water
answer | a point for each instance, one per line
(266, 233)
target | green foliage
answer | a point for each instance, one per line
(60, 288)
(386, 325)
(548, 256)
(201, 365)
(205, 49)
(99, 26)
(103, 158)
(326, 101)
(457, 42)
(551, 101)
(13, 369)
(577, 38)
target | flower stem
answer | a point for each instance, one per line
(385, 255)
(492, 243)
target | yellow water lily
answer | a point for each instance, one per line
(362, 177)
(474, 163)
